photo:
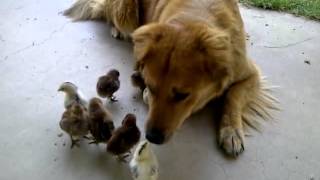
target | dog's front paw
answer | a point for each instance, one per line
(231, 140)
(115, 33)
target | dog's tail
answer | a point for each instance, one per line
(261, 106)
(87, 10)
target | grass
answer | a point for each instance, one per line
(307, 8)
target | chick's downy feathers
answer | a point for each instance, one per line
(100, 120)
(138, 81)
(124, 137)
(108, 84)
(74, 121)
(72, 94)
(144, 164)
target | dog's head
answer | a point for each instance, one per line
(184, 67)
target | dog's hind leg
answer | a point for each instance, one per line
(244, 100)
(126, 18)
(87, 10)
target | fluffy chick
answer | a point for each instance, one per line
(144, 164)
(100, 121)
(108, 84)
(72, 94)
(124, 137)
(145, 96)
(75, 122)
(138, 81)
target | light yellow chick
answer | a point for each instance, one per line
(72, 95)
(144, 164)
(145, 95)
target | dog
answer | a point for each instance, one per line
(190, 52)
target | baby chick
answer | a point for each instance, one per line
(124, 137)
(144, 164)
(138, 81)
(100, 121)
(74, 121)
(145, 96)
(72, 94)
(109, 84)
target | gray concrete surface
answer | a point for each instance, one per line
(39, 49)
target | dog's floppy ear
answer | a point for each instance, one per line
(216, 44)
(212, 39)
(143, 39)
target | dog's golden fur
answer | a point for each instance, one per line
(122, 14)
(190, 52)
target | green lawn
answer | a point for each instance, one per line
(307, 8)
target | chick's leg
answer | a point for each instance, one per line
(94, 142)
(87, 138)
(74, 142)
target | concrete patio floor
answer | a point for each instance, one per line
(39, 49)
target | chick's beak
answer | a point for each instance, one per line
(60, 89)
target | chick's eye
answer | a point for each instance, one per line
(179, 96)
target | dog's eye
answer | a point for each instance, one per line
(179, 96)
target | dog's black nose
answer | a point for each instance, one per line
(155, 136)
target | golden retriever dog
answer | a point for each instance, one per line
(190, 52)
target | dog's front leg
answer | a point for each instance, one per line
(231, 133)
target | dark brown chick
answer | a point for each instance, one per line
(100, 121)
(108, 84)
(138, 81)
(124, 137)
(75, 122)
